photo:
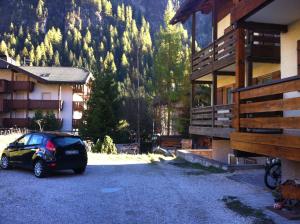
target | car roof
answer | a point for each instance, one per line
(54, 134)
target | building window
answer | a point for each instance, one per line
(229, 95)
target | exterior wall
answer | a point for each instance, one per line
(67, 112)
(290, 169)
(53, 91)
(223, 24)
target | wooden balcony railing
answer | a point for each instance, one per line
(78, 106)
(33, 104)
(4, 86)
(77, 123)
(215, 56)
(23, 86)
(78, 89)
(7, 86)
(212, 121)
(261, 46)
(16, 122)
(21, 122)
(268, 123)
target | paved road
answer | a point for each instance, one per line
(122, 192)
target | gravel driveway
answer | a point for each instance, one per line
(113, 191)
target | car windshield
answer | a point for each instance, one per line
(65, 141)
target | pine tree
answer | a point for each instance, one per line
(171, 64)
(101, 119)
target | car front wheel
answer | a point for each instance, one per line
(40, 169)
(4, 162)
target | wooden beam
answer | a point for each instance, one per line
(209, 131)
(245, 8)
(271, 106)
(194, 33)
(202, 82)
(271, 122)
(225, 73)
(278, 88)
(267, 150)
(298, 56)
(240, 74)
(214, 99)
(263, 27)
(268, 139)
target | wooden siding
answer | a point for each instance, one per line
(262, 125)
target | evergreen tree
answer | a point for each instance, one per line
(100, 118)
(171, 65)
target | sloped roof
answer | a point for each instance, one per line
(53, 75)
(59, 74)
(190, 6)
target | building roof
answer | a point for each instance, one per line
(190, 6)
(59, 74)
(51, 75)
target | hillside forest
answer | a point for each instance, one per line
(133, 63)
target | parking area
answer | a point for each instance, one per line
(127, 190)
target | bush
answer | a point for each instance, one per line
(45, 122)
(107, 146)
(97, 147)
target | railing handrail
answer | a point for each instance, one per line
(273, 82)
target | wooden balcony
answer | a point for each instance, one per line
(267, 123)
(76, 123)
(21, 122)
(7, 86)
(212, 121)
(4, 86)
(78, 106)
(260, 47)
(33, 104)
(4, 107)
(79, 89)
(16, 122)
(23, 86)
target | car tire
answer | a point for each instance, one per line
(4, 163)
(40, 169)
(80, 170)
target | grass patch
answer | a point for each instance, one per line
(185, 164)
(234, 204)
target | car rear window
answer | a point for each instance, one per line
(65, 141)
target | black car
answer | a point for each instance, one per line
(44, 152)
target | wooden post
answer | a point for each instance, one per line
(28, 100)
(214, 97)
(192, 101)
(239, 74)
(11, 91)
(194, 34)
(249, 58)
(298, 55)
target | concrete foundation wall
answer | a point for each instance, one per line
(221, 149)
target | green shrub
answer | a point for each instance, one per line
(97, 147)
(107, 146)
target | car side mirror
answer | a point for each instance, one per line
(12, 145)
